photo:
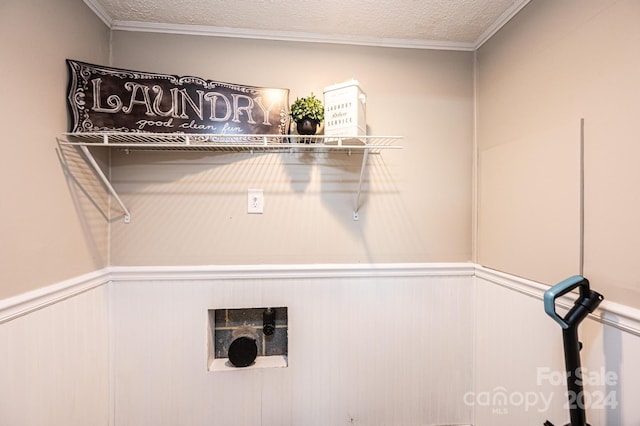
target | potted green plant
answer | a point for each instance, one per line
(308, 113)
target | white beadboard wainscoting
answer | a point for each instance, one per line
(368, 345)
(399, 344)
(54, 355)
(519, 357)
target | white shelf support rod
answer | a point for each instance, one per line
(365, 155)
(105, 182)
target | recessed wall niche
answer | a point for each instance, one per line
(233, 332)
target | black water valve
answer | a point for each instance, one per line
(269, 322)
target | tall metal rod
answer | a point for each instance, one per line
(105, 182)
(581, 197)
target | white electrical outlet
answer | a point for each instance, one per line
(255, 201)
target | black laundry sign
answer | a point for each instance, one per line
(111, 99)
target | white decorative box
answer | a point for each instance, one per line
(344, 110)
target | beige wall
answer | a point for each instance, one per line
(553, 64)
(191, 208)
(46, 233)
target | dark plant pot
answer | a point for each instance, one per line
(307, 126)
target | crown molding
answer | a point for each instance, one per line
(212, 31)
(100, 12)
(500, 22)
(203, 30)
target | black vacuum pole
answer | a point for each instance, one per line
(574, 376)
(583, 306)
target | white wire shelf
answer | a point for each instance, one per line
(224, 142)
(227, 142)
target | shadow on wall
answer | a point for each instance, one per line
(183, 200)
(90, 199)
(333, 176)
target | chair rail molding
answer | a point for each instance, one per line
(23, 304)
(609, 313)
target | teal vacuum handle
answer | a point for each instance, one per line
(561, 289)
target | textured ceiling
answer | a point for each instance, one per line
(440, 24)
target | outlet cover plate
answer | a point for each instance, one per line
(255, 201)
